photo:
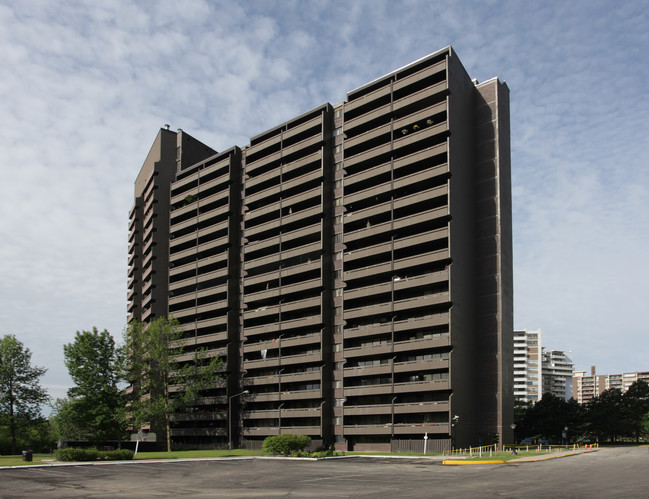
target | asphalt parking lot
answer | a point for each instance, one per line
(619, 472)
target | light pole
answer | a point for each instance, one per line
(245, 392)
(454, 422)
(565, 435)
(513, 427)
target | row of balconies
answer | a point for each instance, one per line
(404, 387)
(400, 408)
(402, 181)
(274, 379)
(400, 223)
(180, 192)
(398, 429)
(284, 395)
(292, 153)
(276, 140)
(310, 412)
(401, 84)
(394, 130)
(398, 367)
(293, 341)
(282, 238)
(284, 360)
(398, 266)
(265, 431)
(283, 186)
(397, 305)
(397, 347)
(396, 284)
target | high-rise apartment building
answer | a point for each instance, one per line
(352, 266)
(538, 371)
(557, 369)
(528, 364)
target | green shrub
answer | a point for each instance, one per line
(74, 454)
(286, 444)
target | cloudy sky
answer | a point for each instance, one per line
(85, 86)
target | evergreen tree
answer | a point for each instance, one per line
(636, 406)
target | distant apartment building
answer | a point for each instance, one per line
(586, 387)
(537, 371)
(528, 362)
(557, 369)
(352, 266)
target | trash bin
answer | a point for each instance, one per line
(28, 455)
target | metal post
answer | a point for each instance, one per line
(279, 417)
(245, 392)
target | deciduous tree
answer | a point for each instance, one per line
(21, 395)
(95, 364)
(158, 359)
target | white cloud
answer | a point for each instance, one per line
(86, 85)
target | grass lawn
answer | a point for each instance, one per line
(17, 460)
(189, 454)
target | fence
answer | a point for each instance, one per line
(433, 445)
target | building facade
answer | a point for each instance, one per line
(352, 266)
(538, 371)
(557, 370)
(586, 387)
(528, 365)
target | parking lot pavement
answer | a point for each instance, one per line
(617, 472)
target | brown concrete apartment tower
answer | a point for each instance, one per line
(352, 265)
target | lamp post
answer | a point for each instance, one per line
(245, 392)
(565, 435)
(279, 416)
(454, 422)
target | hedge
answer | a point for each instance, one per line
(286, 443)
(74, 454)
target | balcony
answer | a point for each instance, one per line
(274, 430)
(209, 307)
(274, 379)
(307, 339)
(199, 432)
(366, 99)
(312, 412)
(405, 408)
(284, 360)
(288, 395)
(399, 429)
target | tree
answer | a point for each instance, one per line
(65, 421)
(605, 414)
(547, 418)
(636, 405)
(95, 363)
(21, 395)
(163, 373)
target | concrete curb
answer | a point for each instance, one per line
(227, 458)
(521, 460)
